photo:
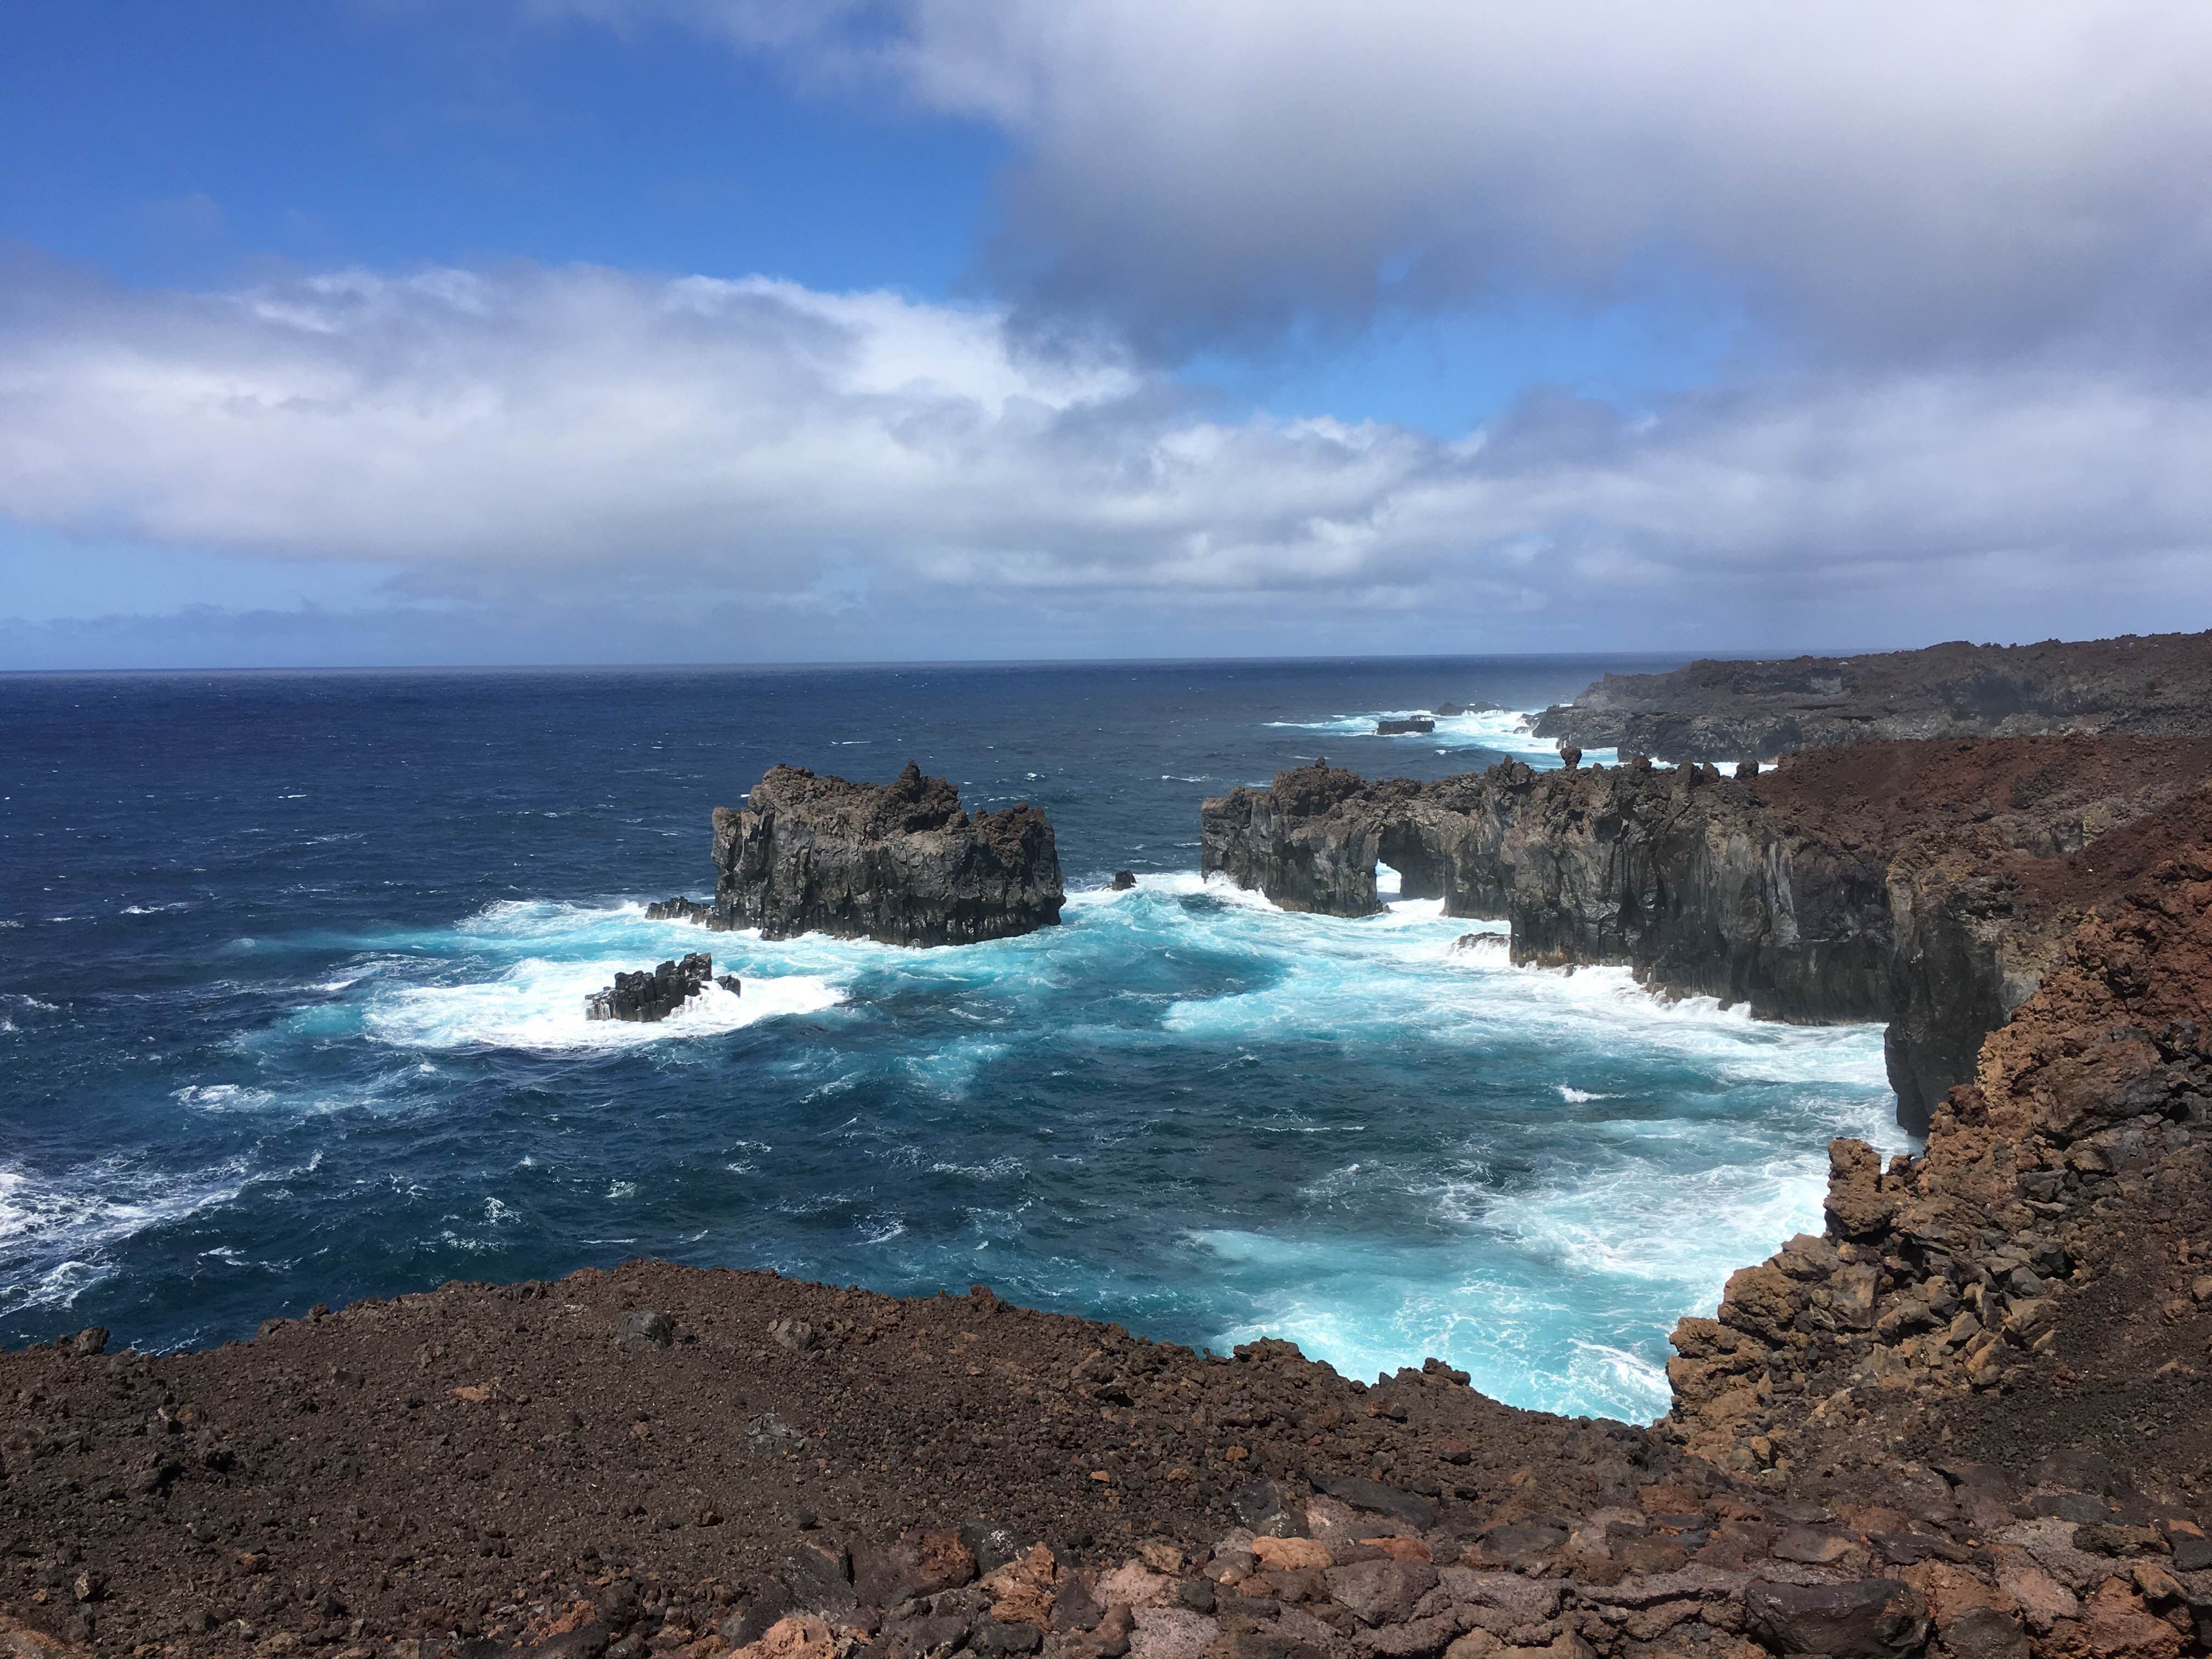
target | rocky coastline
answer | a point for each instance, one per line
(2157, 684)
(1970, 1419)
(1924, 884)
(903, 864)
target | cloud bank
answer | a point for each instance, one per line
(1880, 177)
(1973, 244)
(577, 437)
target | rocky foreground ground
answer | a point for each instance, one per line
(1970, 1420)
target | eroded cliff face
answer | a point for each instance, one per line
(903, 864)
(1897, 881)
(2047, 1248)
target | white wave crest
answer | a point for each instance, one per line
(57, 1231)
(221, 1098)
(1499, 731)
(540, 1004)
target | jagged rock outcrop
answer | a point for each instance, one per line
(1968, 1420)
(903, 864)
(2054, 1194)
(647, 998)
(1708, 710)
(1409, 726)
(1924, 884)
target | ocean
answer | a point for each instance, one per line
(292, 971)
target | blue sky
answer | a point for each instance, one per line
(684, 329)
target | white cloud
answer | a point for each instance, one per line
(1886, 175)
(575, 436)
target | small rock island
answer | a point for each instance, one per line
(646, 998)
(903, 864)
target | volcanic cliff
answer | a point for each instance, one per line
(1970, 1419)
(1924, 884)
(903, 864)
(1713, 710)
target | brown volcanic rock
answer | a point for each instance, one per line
(2022, 1295)
(449, 1461)
(2123, 1025)
(1710, 710)
(903, 864)
(1977, 1414)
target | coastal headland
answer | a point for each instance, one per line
(1971, 1419)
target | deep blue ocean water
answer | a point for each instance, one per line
(291, 980)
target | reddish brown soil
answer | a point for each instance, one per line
(422, 1462)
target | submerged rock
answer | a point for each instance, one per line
(903, 864)
(646, 998)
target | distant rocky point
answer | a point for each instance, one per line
(1444, 710)
(2157, 684)
(903, 864)
(1417, 724)
(647, 998)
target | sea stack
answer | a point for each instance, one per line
(903, 864)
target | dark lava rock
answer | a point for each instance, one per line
(993, 1543)
(1412, 726)
(885, 1575)
(1124, 881)
(903, 864)
(1266, 1510)
(1374, 1495)
(1984, 1634)
(992, 1637)
(1874, 1619)
(680, 909)
(648, 1329)
(647, 998)
(2191, 1555)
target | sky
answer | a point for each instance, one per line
(387, 332)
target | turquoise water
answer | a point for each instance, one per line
(291, 981)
